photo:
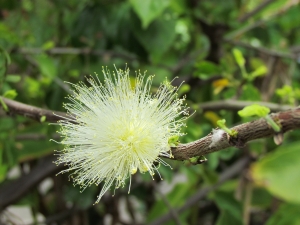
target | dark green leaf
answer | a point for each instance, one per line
(149, 10)
(278, 172)
(286, 214)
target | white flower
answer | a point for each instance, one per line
(118, 128)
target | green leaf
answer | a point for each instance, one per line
(250, 93)
(262, 70)
(221, 124)
(47, 66)
(48, 45)
(11, 94)
(12, 78)
(3, 170)
(3, 167)
(43, 119)
(173, 141)
(148, 10)
(226, 218)
(185, 88)
(254, 110)
(231, 210)
(261, 198)
(239, 58)
(4, 61)
(278, 172)
(286, 214)
(3, 105)
(205, 69)
(158, 37)
(176, 197)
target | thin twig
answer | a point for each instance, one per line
(33, 112)
(255, 11)
(263, 50)
(36, 136)
(14, 190)
(287, 120)
(173, 213)
(247, 202)
(232, 104)
(76, 51)
(258, 23)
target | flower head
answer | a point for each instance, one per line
(118, 128)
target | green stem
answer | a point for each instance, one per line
(272, 123)
(4, 106)
(221, 124)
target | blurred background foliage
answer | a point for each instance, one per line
(234, 50)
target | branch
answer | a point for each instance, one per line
(258, 23)
(76, 51)
(287, 120)
(11, 192)
(36, 137)
(229, 173)
(231, 104)
(255, 11)
(263, 50)
(32, 112)
(173, 213)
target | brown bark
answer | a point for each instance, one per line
(287, 120)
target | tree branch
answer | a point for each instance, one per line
(32, 112)
(255, 11)
(14, 190)
(76, 51)
(289, 55)
(231, 104)
(287, 120)
(242, 30)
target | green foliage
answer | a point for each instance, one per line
(10, 94)
(231, 210)
(260, 111)
(173, 141)
(158, 37)
(3, 167)
(288, 94)
(286, 214)
(149, 10)
(239, 58)
(221, 124)
(12, 78)
(208, 44)
(278, 172)
(205, 69)
(4, 62)
(254, 110)
(46, 65)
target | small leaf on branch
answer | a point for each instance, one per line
(11, 94)
(43, 119)
(254, 110)
(221, 124)
(4, 106)
(173, 141)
